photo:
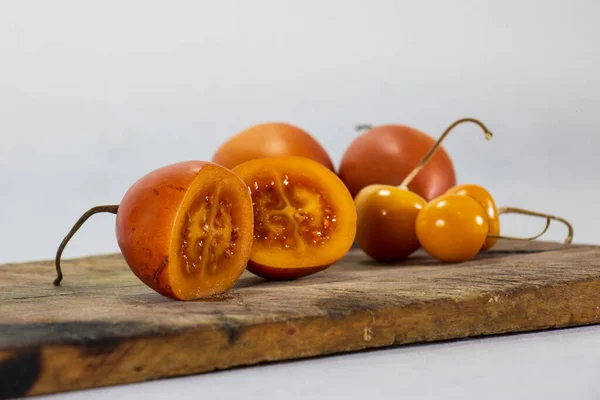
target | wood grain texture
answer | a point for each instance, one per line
(102, 326)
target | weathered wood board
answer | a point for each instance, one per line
(104, 327)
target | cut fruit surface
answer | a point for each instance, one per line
(304, 217)
(186, 230)
(212, 235)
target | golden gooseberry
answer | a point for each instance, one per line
(272, 139)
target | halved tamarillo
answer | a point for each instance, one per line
(304, 216)
(185, 229)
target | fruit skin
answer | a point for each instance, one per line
(386, 218)
(388, 153)
(483, 197)
(452, 228)
(270, 139)
(271, 260)
(146, 223)
(274, 273)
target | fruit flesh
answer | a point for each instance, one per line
(305, 218)
(271, 139)
(292, 212)
(387, 154)
(178, 242)
(208, 235)
(386, 221)
(452, 228)
(212, 236)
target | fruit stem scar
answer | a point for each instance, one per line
(515, 210)
(421, 165)
(112, 209)
(363, 127)
(162, 266)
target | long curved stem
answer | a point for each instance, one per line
(112, 209)
(515, 210)
(548, 220)
(418, 168)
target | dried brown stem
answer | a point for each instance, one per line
(515, 210)
(112, 209)
(548, 219)
(418, 168)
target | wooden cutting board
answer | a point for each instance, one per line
(104, 327)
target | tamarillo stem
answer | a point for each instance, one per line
(515, 210)
(418, 168)
(548, 220)
(363, 127)
(112, 209)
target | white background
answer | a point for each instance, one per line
(95, 94)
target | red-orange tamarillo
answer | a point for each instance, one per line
(386, 154)
(305, 219)
(271, 139)
(185, 229)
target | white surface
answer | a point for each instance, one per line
(95, 94)
(549, 365)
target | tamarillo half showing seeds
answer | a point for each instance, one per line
(304, 216)
(270, 139)
(185, 229)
